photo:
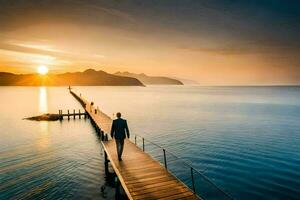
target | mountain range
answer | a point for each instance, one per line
(89, 77)
(151, 80)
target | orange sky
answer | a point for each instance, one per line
(112, 37)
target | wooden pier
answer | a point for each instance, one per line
(72, 114)
(140, 175)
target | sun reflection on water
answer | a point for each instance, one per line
(43, 142)
(43, 104)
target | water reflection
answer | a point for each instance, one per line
(43, 104)
(43, 142)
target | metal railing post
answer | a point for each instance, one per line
(165, 159)
(143, 144)
(193, 182)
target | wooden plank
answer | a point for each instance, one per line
(179, 190)
(178, 196)
(147, 186)
(146, 174)
(150, 180)
(154, 189)
(141, 170)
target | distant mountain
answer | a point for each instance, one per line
(151, 80)
(89, 77)
(187, 81)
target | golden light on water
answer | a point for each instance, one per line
(43, 70)
(44, 141)
(43, 104)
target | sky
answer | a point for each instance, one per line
(214, 42)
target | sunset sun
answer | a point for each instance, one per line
(42, 70)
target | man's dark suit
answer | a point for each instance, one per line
(118, 129)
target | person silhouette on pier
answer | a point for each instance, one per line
(118, 129)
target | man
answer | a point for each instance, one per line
(118, 129)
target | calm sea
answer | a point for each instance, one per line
(245, 139)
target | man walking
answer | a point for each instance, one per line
(118, 129)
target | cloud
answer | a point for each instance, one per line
(27, 13)
(32, 50)
(113, 12)
(43, 50)
(243, 50)
(25, 54)
(221, 50)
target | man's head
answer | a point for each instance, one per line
(118, 115)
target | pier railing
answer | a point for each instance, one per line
(184, 171)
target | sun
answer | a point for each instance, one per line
(42, 70)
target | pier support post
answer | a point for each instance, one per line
(102, 136)
(79, 114)
(193, 182)
(143, 144)
(68, 115)
(106, 164)
(165, 159)
(118, 193)
(74, 113)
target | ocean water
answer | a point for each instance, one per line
(246, 140)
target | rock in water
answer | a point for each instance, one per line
(44, 117)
